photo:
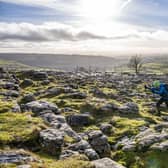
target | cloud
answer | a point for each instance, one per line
(55, 37)
(43, 32)
(50, 32)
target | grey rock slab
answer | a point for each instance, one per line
(106, 163)
(40, 106)
(51, 140)
(79, 119)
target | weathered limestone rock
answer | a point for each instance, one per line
(12, 93)
(129, 108)
(28, 98)
(51, 141)
(80, 146)
(68, 153)
(76, 95)
(99, 143)
(163, 146)
(40, 106)
(91, 154)
(106, 163)
(15, 157)
(106, 128)
(38, 75)
(26, 83)
(79, 119)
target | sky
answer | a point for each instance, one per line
(92, 27)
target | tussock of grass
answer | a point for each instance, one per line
(5, 106)
(79, 161)
(7, 166)
(16, 127)
(126, 126)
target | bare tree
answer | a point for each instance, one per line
(136, 63)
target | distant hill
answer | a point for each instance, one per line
(64, 62)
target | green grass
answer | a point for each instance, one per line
(15, 128)
(5, 106)
(79, 161)
(126, 126)
(7, 166)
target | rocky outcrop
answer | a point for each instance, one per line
(149, 138)
(106, 128)
(28, 98)
(129, 108)
(109, 107)
(68, 153)
(106, 163)
(11, 93)
(76, 95)
(79, 119)
(39, 75)
(51, 141)
(35, 75)
(58, 122)
(9, 86)
(99, 143)
(40, 106)
(15, 157)
(26, 83)
(163, 146)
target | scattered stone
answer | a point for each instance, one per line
(99, 143)
(51, 141)
(26, 83)
(54, 91)
(28, 98)
(106, 128)
(68, 153)
(160, 126)
(10, 86)
(12, 93)
(106, 163)
(45, 82)
(109, 107)
(76, 95)
(15, 157)
(163, 146)
(79, 119)
(38, 75)
(150, 139)
(98, 93)
(129, 108)
(51, 118)
(126, 144)
(40, 106)
(91, 154)
(80, 146)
